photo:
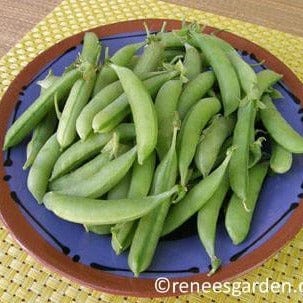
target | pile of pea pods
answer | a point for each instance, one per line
(137, 146)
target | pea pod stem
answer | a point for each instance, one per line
(100, 212)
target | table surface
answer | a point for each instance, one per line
(18, 16)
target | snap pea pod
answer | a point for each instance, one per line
(120, 190)
(196, 197)
(151, 58)
(80, 151)
(211, 142)
(122, 57)
(103, 180)
(91, 50)
(99, 212)
(238, 168)
(119, 109)
(141, 179)
(191, 129)
(166, 106)
(237, 219)
(192, 62)
(98, 229)
(150, 226)
(222, 153)
(39, 173)
(281, 159)
(44, 129)
(143, 111)
(133, 61)
(77, 99)
(100, 100)
(35, 113)
(207, 223)
(266, 79)
(225, 73)
(255, 152)
(194, 90)
(279, 129)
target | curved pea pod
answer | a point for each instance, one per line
(237, 218)
(37, 180)
(150, 226)
(105, 179)
(115, 112)
(80, 151)
(267, 78)
(191, 128)
(194, 90)
(196, 197)
(77, 99)
(143, 111)
(279, 129)
(99, 212)
(207, 223)
(141, 179)
(98, 229)
(122, 57)
(255, 152)
(44, 129)
(280, 160)
(120, 190)
(166, 106)
(35, 113)
(102, 99)
(238, 168)
(151, 58)
(192, 62)
(211, 142)
(225, 73)
(246, 75)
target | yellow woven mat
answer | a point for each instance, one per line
(22, 279)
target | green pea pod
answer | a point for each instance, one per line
(120, 190)
(142, 175)
(191, 128)
(280, 160)
(225, 73)
(99, 229)
(266, 79)
(105, 179)
(151, 58)
(171, 54)
(122, 57)
(166, 106)
(77, 99)
(207, 223)
(196, 197)
(35, 113)
(279, 129)
(222, 153)
(194, 90)
(119, 109)
(237, 218)
(99, 212)
(81, 151)
(255, 152)
(238, 168)
(39, 173)
(150, 226)
(211, 142)
(44, 129)
(192, 62)
(143, 111)
(91, 50)
(104, 97)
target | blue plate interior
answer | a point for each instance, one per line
(176, 256)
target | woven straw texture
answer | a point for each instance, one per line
(22, 279)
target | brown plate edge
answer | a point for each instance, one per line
(36, 246)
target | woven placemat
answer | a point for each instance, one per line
(22, 279)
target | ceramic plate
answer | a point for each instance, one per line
(89, 259)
